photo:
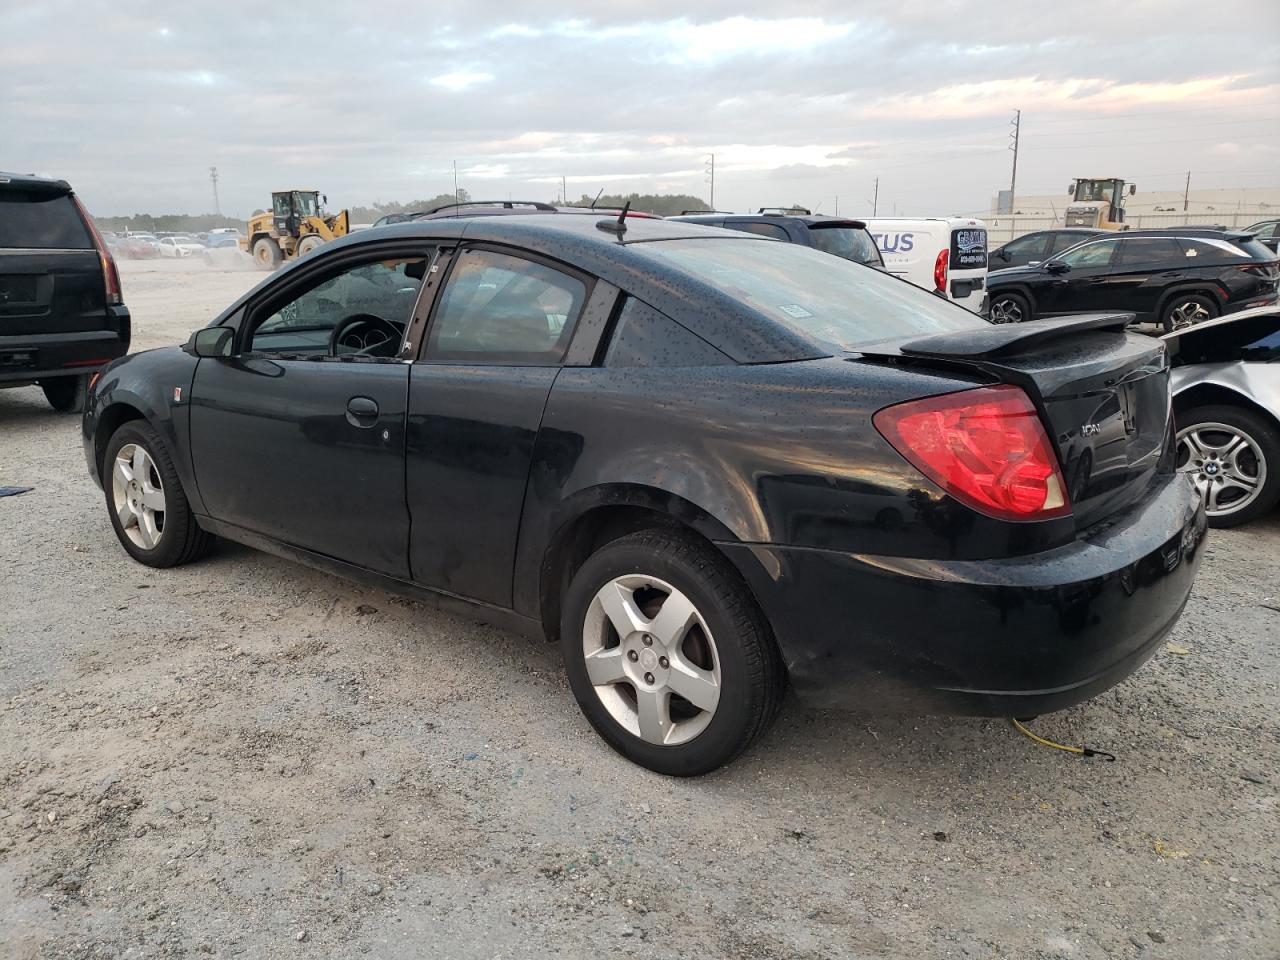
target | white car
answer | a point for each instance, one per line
(179, 246)
(947, 255)
(1226, 404)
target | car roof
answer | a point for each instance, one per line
(33, 182)
(741, 331)
(806, 218)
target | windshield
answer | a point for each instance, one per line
(305, 204)
(833, 300)
(845, 241)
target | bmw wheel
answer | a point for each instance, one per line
(1232, 455)
(668, 655)
(148, 508)
(1009, 308)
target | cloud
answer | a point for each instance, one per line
(632, 94)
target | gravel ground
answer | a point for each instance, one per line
(247, 758)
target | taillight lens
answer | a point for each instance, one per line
(940, 270)
(985, 447)
(110, 276)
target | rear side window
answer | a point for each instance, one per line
(497, 308)
(1218, 249)
(645, 337)
(845, 241)
(1147, 250)
(36, 220)
(760, 229)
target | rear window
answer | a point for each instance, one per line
(834, 300)
(37, 220)
(848, 242)
(969, 249)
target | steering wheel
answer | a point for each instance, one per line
(363, 333)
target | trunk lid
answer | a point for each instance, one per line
(50, 272)
(1102, 392)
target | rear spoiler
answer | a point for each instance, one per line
(996, 339)
(40, 186)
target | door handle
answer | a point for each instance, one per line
(362, 412)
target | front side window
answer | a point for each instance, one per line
(830, 299)
(1099, 254)
(366, 306)
(498, 308)
(1031, 246)
(1064, 241)
(305, 204)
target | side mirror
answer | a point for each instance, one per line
(1056, 266)
(213, 342)
(1004, 255)
(1071, 191)
(1133, 188)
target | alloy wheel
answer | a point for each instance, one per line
(651, 659)
(138, 496)
(1226, 465)
(1188, 314)
(1006, 311)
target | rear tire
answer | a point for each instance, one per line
(1186, 310)
(1232, 455)
(720, 653)
(145, 500)
(266, 253)
(65, 394)
(1010, 308)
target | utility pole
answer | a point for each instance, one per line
(564, 189)
(875, 199)
(1013, 180)
(1186, 192)
(213, 176)
(711, 177)
(837, 213)
(455, 181)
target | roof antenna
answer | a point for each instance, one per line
(618, 226)
(597, 199)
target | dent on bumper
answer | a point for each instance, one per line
(1012, 637)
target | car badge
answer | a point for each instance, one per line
(1090, 430)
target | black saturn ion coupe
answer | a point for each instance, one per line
(708, 464)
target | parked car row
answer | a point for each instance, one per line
(144, 246)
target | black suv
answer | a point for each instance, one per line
(844, 238)
(1175, 277)
(1038, 246)
(61, 312)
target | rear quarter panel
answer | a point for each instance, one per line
(769, 453)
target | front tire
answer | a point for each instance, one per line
(1186, 310)
(308, 243)
(1010, 308)
(146, 502)
(65, 394)
(266, 253)
(1232, 455)
(668, 655)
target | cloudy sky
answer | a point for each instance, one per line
(803, 102)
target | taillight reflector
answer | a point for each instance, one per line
(986, 447)
(940, 270)
(110, 276)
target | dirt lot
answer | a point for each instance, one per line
(244, 758)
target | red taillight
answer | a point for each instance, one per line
(110, 276)
(940, 270)
(985, 447)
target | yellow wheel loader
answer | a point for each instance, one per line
(1098, 202)
(296, 224)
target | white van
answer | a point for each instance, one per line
(947, 255)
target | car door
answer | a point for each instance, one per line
(303, 442)
(1144, 268)
(495, 341)
(1084, 286)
